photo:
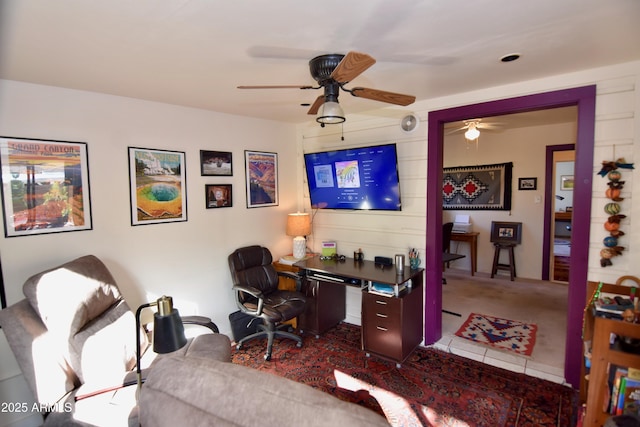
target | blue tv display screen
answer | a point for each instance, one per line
(354, 178)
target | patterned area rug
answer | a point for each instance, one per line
(432, 388)
(502, 334)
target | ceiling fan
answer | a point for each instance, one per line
(472, 128)
(333, 72)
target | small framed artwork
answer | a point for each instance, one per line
(216, 163)
(261, 178)
(158, 186)
(527, 183)
(45, 186)
(506, 232)
(566, 182)
(218, 196)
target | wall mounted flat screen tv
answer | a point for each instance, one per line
(354, 178)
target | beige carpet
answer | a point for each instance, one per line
(531, 301)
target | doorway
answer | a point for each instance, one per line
(584, 99)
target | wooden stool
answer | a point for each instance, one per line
(496, 259)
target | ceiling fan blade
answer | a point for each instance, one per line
(276, 87)
(384, 96)
(316, 105)
(456, 130)
(351, 66)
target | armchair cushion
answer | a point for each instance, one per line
(69, 296)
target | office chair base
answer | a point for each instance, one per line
(270, 334)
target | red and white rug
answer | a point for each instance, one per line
(502, 334)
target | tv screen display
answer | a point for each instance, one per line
(354, 178)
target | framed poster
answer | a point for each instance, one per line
(218, 196)
(261, 179)
(158, 186)
(216, 163)
(45, 186)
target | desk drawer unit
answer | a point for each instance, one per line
(392, 327)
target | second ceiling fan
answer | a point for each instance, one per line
(333, 72)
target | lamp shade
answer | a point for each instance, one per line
(330, 113)
(168, 331)
(298, 224)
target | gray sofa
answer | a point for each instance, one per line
(73, 336)
(200, 391)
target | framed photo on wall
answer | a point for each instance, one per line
(527, 183)
(216, 163)
(261, 170)
(566, 182)
(45, 186)
(218, 196)
(158, 186)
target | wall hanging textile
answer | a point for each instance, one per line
(485, 187)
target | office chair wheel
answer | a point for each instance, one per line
(267, 357)
(299, 345)
(238, 346)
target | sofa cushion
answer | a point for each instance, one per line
(69, 296)
(41, 357)
(198, 391)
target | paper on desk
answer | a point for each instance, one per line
(462, 219)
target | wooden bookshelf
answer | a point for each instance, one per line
(598, 330)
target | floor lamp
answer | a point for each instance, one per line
(168, 331)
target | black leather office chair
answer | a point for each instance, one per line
(446, 244)
(255, 285)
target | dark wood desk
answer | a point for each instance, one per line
(472, 239)
(392, 326)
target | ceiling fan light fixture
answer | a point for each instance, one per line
(472, 133)
(330, 113)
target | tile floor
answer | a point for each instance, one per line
(524, 300)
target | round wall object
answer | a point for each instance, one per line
(409, 123)
(612, 208)
(614, 175)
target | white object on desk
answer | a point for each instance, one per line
(462, 224)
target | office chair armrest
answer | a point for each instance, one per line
(293, 276)
(254, 292)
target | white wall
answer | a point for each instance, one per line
(617, 131)
(526, 148)
(187, 260)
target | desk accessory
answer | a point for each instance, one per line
(383, 261)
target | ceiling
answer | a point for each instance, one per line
(195, 52)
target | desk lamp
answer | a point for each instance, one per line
(298, 226)
(168, 330)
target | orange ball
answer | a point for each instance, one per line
(612, 193)
(611, 226)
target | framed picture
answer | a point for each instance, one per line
(527, 183)
(158, 186)
(506, 232)
(566, 182)
(45, 186)
(261, 178)
(216, 163)
(218, 196)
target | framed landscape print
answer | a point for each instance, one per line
(45, 186)
(158, 186)
(261, 178)
(218, 196)
(216, 163)
(527, 183)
